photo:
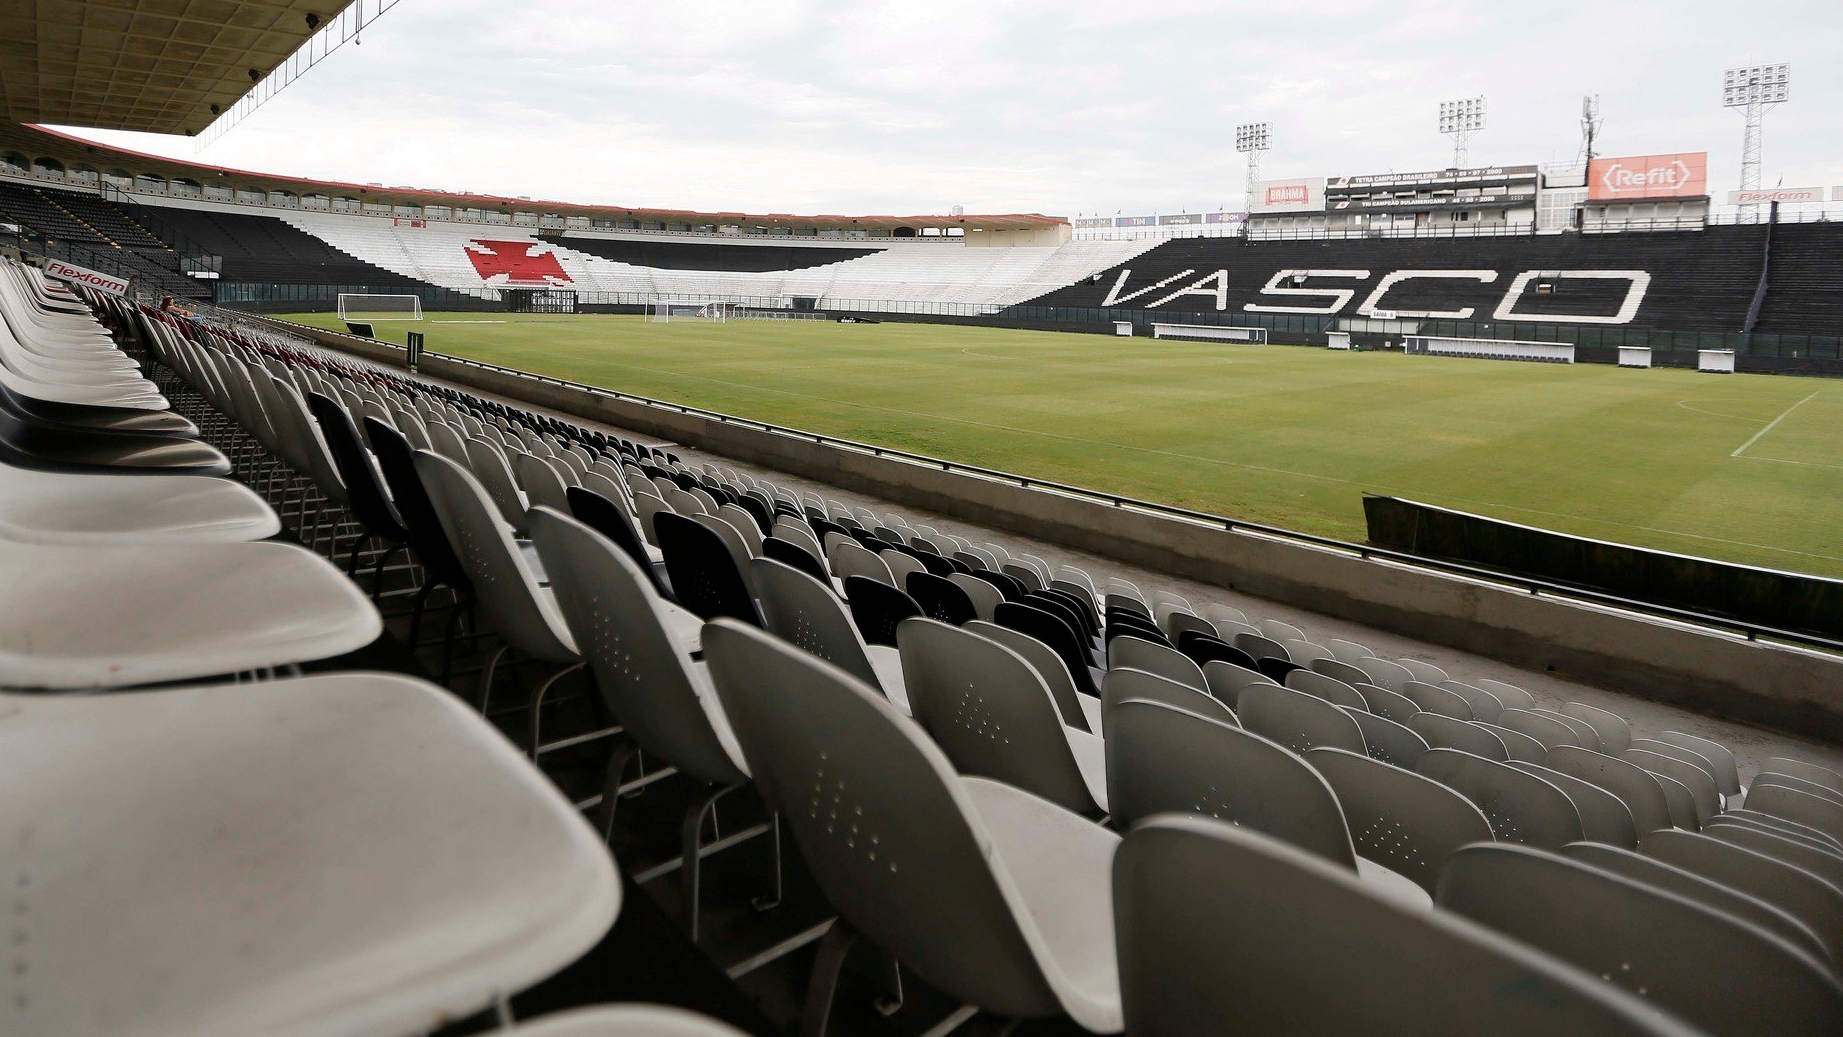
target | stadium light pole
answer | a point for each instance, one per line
(1459, 120)
(1751, 89)
(1252, 138)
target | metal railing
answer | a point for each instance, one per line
(1534, 587)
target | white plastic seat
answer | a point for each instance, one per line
(1522, 807)
(116, 615)
(1225, 930)
(370, 858)
(627, 1020)
(990, 894)
(60, 508)
(806, 614)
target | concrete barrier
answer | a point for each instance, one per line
(1790, 688)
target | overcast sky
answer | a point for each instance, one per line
(866, 107)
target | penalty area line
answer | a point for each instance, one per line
(1739, 450)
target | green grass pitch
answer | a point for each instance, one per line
(1741, 467)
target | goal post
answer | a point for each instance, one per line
(358, 308)
(665, 310)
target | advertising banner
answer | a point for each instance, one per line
(1272, 196)
(1432, 179)
(1094, 223)
(1135, 221)
(1182, 219)
(1782, 195)
(1225, 217)
(1634, 177)
(83, 275)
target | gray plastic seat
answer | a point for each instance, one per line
(1635, 786)
(1347, 651)
(1809, 771)
(991, 895)
(1814, 811)
(488, 466)
(1708, 968)
(1388, 741)
(1397, 818)
(1224, 930)
(845, 558)
(1135, 653)
(1701, 783)
(1432, 698)
(541, 483)
(1384, 673)
(625, 1020)
(1484, 705)
(1519, 745)
(370, 858)
(1778, 826)
(510, 600)
(1510, 695)
(806, 614)
(1282, 632)
(1615, 734)
(1798, 892)
(1340, 670)
(1522, 807)
(1545, 729)
(1298, 721)
(1261, 647)
(985, 597)
(1823, 863)
(993, 716)
(1443, 732)
(1688, 884)
(1584, 731)
(1303, 652)
(1332, 690)
(1426, 673)
(1123, 684)
(1082, 712)
(1385, 703)
(1227, 681)
(1604, 817)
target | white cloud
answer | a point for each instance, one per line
(868, 107)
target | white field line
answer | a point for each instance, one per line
(1738, 451)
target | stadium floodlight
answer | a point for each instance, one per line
(1459, 120)
(1751, 89)
(1252, 138)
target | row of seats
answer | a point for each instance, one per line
(1049, 794)
(203, 838)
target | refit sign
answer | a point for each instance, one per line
(1648, 176)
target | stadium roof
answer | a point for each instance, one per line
(159, 66)
(36, 142)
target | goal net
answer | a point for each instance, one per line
(661, 310)
(370, 309)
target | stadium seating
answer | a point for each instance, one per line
(971, 842)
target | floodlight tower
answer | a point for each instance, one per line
(1459, 120)
(1751, 89)
(1590, 126)
(1252, 138)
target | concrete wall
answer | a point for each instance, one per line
(1782, 687)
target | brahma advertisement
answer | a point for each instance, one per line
(1636, 177)
(1289, 196)
(83, 275)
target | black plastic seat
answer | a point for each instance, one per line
(941, 598)
(612, 521)
(1204, 649)
(1051, 629)
(877, 608)
(789, 553)
(426, 537)
(1008, 586)
(704, 574)
(365, 496)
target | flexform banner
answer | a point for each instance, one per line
(1289, 196)
(1782, 195)
(83, 275)
(1633, 177)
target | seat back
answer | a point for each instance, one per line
(1407, 823)
(611, 519)
(1139, 654)
(1443, 732)
(1049, 628)
(877, 608)
(1708, 968)
(880, 817)
(1046, 662)
(541, 483)
(507, 591)
(365, 495)
(642, 675)
(1298, 721)
(990, 712)
(806, 614)
(1522, 807)
(1388, 741)
(1225, 930)
(940, 598)
(705, 576)
(1121, 685)
(1332, 690)
(1227, 681)
(1162, 759)
(396, 458)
